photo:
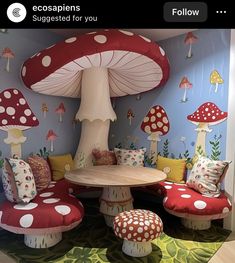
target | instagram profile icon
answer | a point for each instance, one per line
(16, 12)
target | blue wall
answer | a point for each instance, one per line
(210, 52)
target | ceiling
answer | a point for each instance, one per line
(153, 34)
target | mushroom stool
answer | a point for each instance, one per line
(43, 220)
(138, 228)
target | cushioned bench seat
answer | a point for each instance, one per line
(196, 210)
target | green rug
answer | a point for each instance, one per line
(94, 242)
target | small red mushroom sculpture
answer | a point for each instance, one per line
(130, 115)
(8, 54)
(95, 67)
(185, 84)
(206, 115)
(189, 40)
(60, 110)
(156, 124)
(51, 137)
(15, 117)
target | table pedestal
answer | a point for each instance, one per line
(113, 201)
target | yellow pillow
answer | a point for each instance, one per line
(173, 168)
(60, 164)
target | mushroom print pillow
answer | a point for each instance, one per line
(18, 181)
(130, 157)
(206, 175)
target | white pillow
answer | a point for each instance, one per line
(130, 157)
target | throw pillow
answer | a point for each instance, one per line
(41, 171)
(104, 157)
(130, 157)
(206, 175)
(59, 165)
(18, 181)
(174, 168)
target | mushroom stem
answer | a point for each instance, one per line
(216, 86)
(136, 249)
(94, 134)
(202, 129)
(190, 51)
(52, 146)
(185, 94)
(95, 112)
(8, 65)
(15, 139)
(153, 138)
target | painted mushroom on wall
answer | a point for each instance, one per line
(60, 110)
(156, 124)
(108, 63)
(190, 39)
(15, 117)
(130, 115)
(185, 84)
(8, 54)
(206, 115)
(216, 79)
(51, 137)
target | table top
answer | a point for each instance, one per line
(115, 175)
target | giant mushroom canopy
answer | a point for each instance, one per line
(96, 66)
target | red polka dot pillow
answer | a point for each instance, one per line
(130, 157)
(206, 175)
(18, 181)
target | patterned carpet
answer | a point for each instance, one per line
(94, 242)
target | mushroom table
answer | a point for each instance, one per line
(116, 181)
(96, 66)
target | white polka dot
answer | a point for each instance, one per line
(168, 186)
(185, 196)
(126, 32)
(10, 111)
(165, 128)
(4, 122)
(225, 210)
(28, 206)
(51, 200)
(130, 221)
(27, 112)
(135, 222)
(145, 38)
(15, 91)
(123, 230)
(131, 228)
(147, 129)
(26, 220)
(70, 40)
(23, 120)
(159, 124)
(139, 238)
(100, 39)
(117, 229)
(165, 199)
(154, 126)
(168, 182)
(34, 118)
(91, 33)
(146, 223)
(63, 209)
(181, 189)
(47, 194)
(159, 115)
(153, 118)
(162, 51)
(165, 120)
(152, 111)
(46, 61)
(2, 109)
(146, 119)
(7, 94)
(146, 234)
(23, 71)
(0, 215)
(22, 101)
(199, 204)
(129, 236)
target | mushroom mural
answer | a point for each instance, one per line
(8, 54)
(15, 117)
(51, 137)
(216, 79)
(96, 66)
(189, 40)
(156, 124)
(185, 84)
(130, 115)
(60, 110)
(44, 109)
(206, 115)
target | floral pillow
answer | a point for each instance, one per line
(206, 175)
(18, 181)
(104, 157)
(130, 157)
(41, 171)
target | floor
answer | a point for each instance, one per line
(225, 254)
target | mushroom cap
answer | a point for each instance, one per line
(51, 136)
(216, 78)
(190, 38)
(135, 64)
(185, 83)
(138, 225)
(130, 114)
(208, 112)
(15, 112)
(156, 121)
(61, 108)
(7, 53)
